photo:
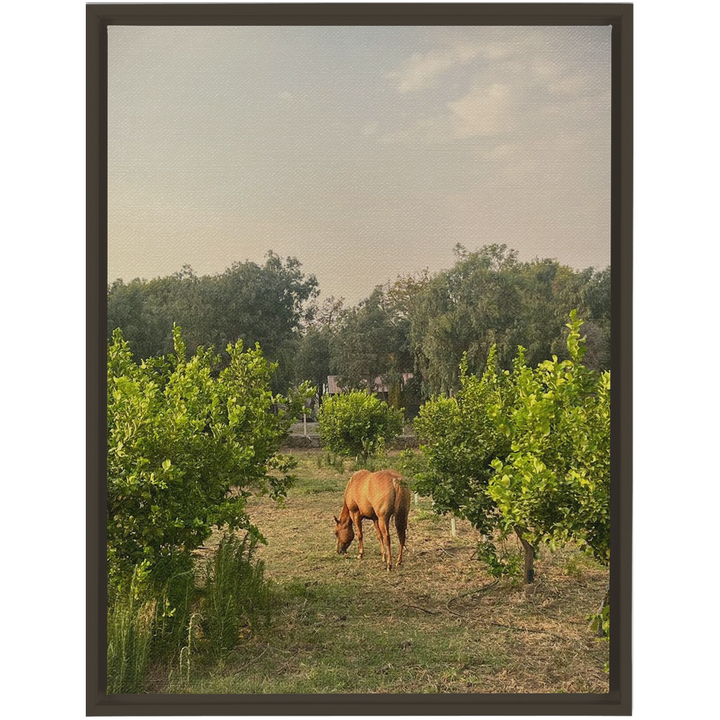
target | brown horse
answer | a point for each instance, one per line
(375, 496)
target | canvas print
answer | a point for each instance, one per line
(358, 365)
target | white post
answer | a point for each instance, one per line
(453, 529)
(417, 498)
(304, 423)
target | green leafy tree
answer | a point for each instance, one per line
(464, 311)
(460, 440)
(372, 341)
(357, 424)
(554, 485)
(313, 360)
(186, 447)
(490, 298)
(525, 451)
(263, 304)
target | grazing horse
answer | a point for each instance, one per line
(375, 496)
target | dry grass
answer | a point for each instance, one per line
(437, 624)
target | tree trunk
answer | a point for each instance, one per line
(528, 570)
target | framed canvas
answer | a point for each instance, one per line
(398, 196)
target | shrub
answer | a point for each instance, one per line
(555, 482)
(459, 441)
(187, 445)
(358, 425)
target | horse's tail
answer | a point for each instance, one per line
(402, 501)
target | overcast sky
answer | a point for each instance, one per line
(366, 152)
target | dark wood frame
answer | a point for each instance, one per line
(620, 17)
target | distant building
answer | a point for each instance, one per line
(332, 385)
(379, 386)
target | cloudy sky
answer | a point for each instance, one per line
(366, 152)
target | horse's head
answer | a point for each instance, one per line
(344, 533)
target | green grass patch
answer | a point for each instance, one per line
(333, 643)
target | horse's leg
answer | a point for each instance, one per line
(358, 524)
(385, 530)
(380, 538)
(401, 527)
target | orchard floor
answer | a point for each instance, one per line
(436, 624)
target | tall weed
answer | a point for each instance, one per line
(236, 599)
(176, 592)
(131, 618)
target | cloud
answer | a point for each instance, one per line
(421, 71)
(503, 92)
(573, 84)
(483, 111)
(425, 130)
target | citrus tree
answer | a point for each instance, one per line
(186, 447)
(357, 424)
(554, 485)
(525, 450)
(460, 440)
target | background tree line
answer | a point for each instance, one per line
(421, 323)
(265, 304)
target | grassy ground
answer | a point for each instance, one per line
(437, 624)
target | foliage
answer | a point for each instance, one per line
(460, 440)
(312, 362)
(411, 465)
(371, 341)
(357, 424)
(497, 565)
(526, 450)
(175, 597)
(489, 298)
(419, 323)
(555, 482)
(600, 622)
(236, 596)
(186, 447)
(596, 299)
(263, 304)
